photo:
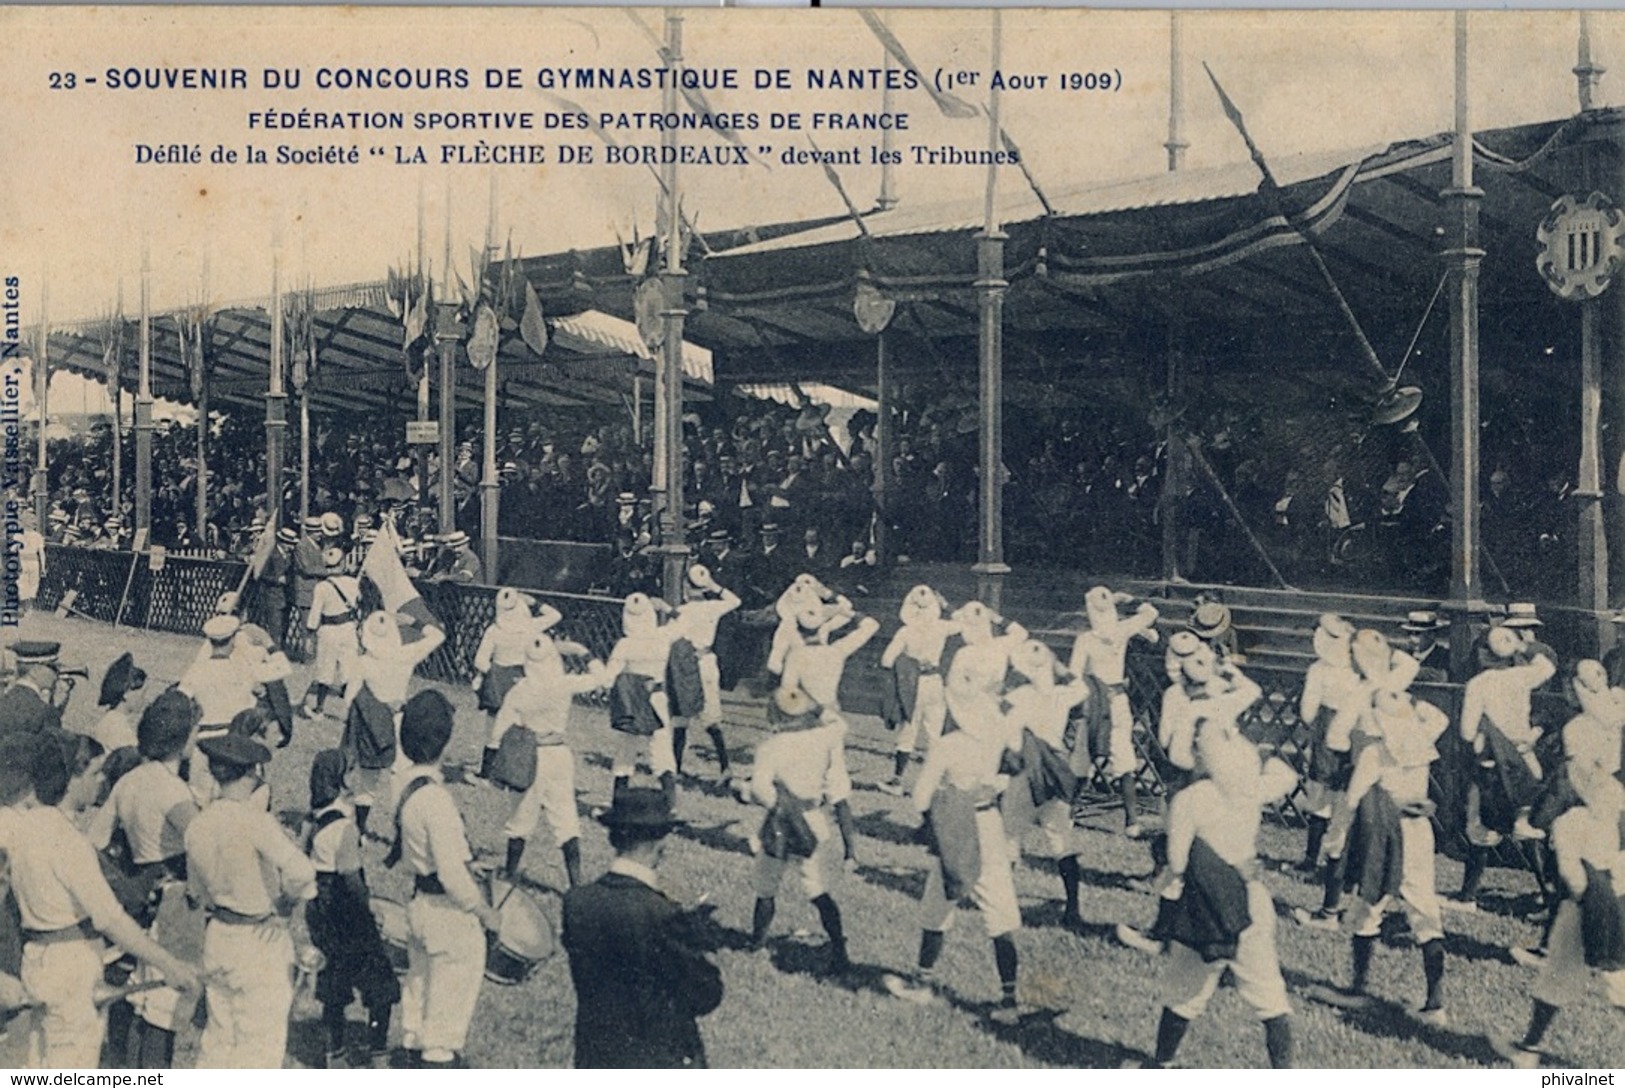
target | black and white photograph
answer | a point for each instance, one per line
(834, 538)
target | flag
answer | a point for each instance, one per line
(532, 329)
(383, 567)
(950, 105)
(1234, 115)
(835, 180)
(263, 546)
(416, 319)
(575, 107)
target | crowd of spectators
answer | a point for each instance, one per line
(1083, 490)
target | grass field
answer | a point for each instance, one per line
(1102, 998)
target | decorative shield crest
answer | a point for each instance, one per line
(872, 309)
(482, 341)
(1580, 246)
(648, 303)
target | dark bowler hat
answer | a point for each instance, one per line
(236, 749)
(37, 652)
(640, 808)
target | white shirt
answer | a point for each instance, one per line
(239, 858)
(221, 686)
(153, 806)
(807, 762)
(1502, 696)
(816, 667)
(54, 872)
(1229, 825)
(433, 841)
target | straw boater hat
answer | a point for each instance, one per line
(287, 535)
(1521, 614)
(332, 525)
(313, 524)
(226, 604)
(1422, 621)
(455, 539)
(1210, 620)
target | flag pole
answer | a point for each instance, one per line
(117, 374)
(1176, 144)
(420, 283)
(490, 488)
(1177, 470)
(991, 286)
(447, 332)
(669, 388)
(1462, 259)
(888, 181)
(143, 404)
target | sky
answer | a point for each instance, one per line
(75, 210)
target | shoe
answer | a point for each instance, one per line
(892, 787)
(1133, 938)
(1009, 1012)
(1140, 884)
(1348, 1000)
(1516, 1053)
(1460, 906)
(1307, 865)
(1524, 830)
(1528, 957)
(1072, 920)
(1136, 830)
(336, 1059)
(1314, 919)
(1434, 1018)
(838, 965)
(915, 993)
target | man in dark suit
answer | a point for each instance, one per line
(640, 984)
(26, 706)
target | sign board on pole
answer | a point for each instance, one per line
(422, 432)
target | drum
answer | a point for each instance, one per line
(393, 929)
(523, 940)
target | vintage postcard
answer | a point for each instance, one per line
(811, 538)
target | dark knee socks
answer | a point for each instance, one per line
(761, 919)
(1363, 948)
(1539, 1020)
(1317, 835)
(516, 854)
(1478, 860)
(715, 733)
(1332, 893)
(1071, 876)
(830, 915)
(1129, 788)
(154, 1046)
(931, 941)
(334, 1023)
(848, 826)
(679, 745)
(899, 761)
(1278, 1040)
(1005, 957)
(1170, 1033)
(571, 849)
(1433, 971)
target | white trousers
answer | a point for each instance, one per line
(930, 710)
(445, 962)
(1190, 981)
(67, 1032)
(249, 992)
(553, 794)
(994, 892)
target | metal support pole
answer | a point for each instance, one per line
(276, 398)
(884, 395)
(118, 437)
(202, 510)
(1171, 497)
(304, 451)
(143, 407)
(447, 332)
(1176, 143)
(669, 409)
(990, 287)
(1593, 553)
(490, 487)
(1462, 259)
(888, 180)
